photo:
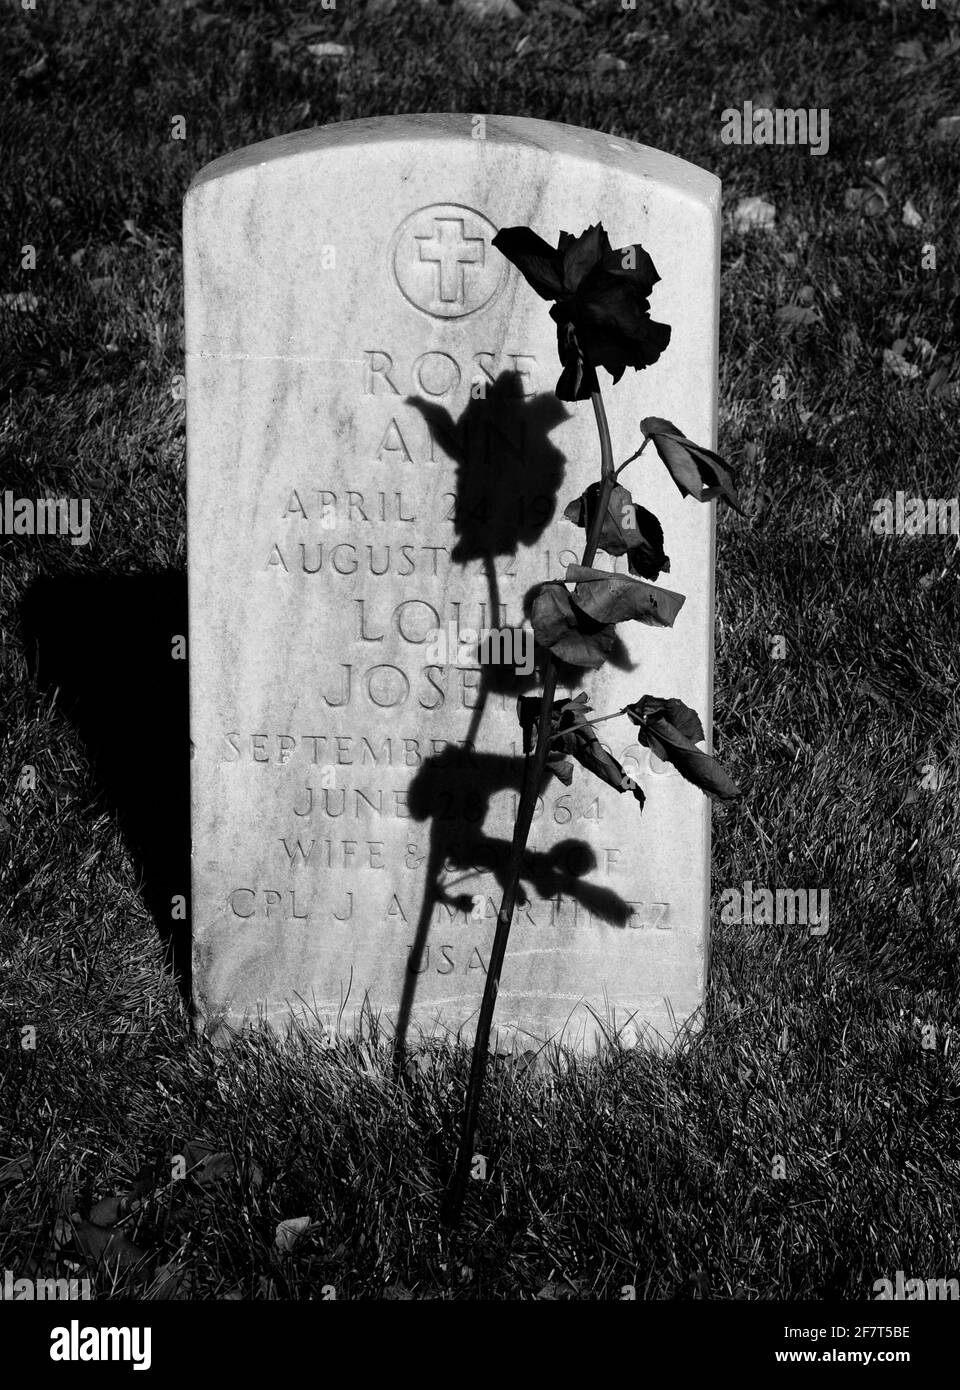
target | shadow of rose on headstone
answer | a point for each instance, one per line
(508, 475)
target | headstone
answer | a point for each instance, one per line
(377, 464)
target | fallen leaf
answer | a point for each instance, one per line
(329, 50)
(948, 128)
(143, 1182)
(899, 366)
(304, 29)
(489, 9)
(101, 1245)
(212, 1168)
(32, 73)
(23, 302)
(204, 19)
(643, 34)
(553, 1289)
(289, 1232)
(910, 217)
(864, 687)
(911, 51)
(937, 381)
(529, 1062)
(16, 1169)
(606, 62)
(754, 214)
(872, 201)
(172, 1281)
(106, 1212)
(562, 9)
(798, 314)
(62, 1233)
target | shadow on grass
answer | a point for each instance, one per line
(102, 647)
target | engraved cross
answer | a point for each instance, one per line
(451, 251)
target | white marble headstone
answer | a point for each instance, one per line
(350, 492)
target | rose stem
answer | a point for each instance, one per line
(533, 775)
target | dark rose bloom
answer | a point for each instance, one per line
(602, 307)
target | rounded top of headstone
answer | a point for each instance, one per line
(551, 137)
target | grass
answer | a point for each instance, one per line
(654, 1172)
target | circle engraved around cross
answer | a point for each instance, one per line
(443, 261)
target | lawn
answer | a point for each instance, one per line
(804, 1144)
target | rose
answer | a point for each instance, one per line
(602, 306)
